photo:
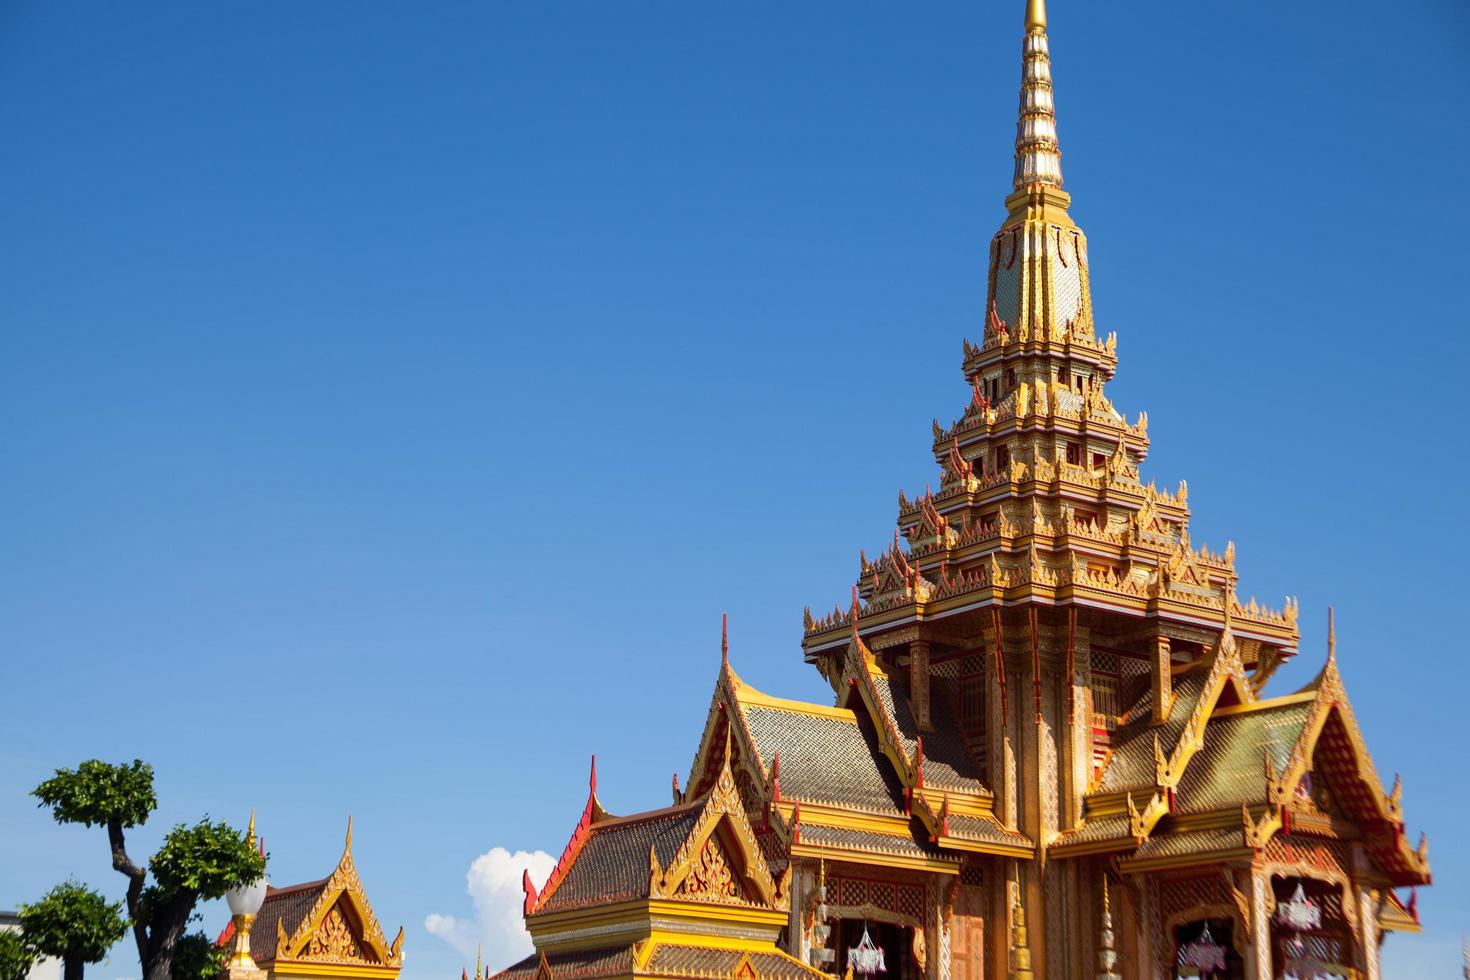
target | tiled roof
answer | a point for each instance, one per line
(1115, 827)
(581, 965)
(288, 906)
(679, 960)
(870, 842)
(984, 829)
(671, 960)
(1230, 767)
(1131, 763)
(947, 763)
(825, 759)
(612, 864)
(1190, 842)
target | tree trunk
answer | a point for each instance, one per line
(71, 968)
(164, 932)
(135, 875)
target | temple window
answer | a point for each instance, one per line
(1074, 453)
(1010, 378)
(1002, 458)
(1099, 461)
(1064, 375)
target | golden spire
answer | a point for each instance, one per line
(250, 833)
(1038, 157)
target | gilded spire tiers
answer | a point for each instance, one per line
(1038, 156)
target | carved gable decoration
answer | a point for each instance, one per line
(710, 876)
(335, 941)
(341, 927)
(720, 860)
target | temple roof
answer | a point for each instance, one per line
(297, 923)
(1244, 756)
(1131, 763)
(612, 864)
(1229, 767)
(657, 958)
(831, 757)
(946, 762)
(675, 854)
(282, 910)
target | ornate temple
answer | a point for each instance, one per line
(1052, 750)
(315, 930)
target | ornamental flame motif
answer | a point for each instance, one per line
(333, 942)
(710, 876)
(866, 958)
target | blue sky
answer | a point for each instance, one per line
(393, 396)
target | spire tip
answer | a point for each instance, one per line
(1035, 15)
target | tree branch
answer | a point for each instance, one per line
(121, 862)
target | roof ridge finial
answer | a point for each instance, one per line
(1331, 636)
(347, 846)
(592, 780)
(250, 830)
(724, 638)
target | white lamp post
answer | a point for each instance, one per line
(245, 902)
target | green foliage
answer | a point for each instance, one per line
(73, 922)
(97, 792)
(196, 957)
(15, 958)
(206, 860)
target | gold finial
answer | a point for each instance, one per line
(1331, 635)
(347, 848)
(250, 832)
(1035, 15)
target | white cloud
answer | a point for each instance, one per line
(494, 884)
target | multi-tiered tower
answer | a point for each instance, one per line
(1045, 695)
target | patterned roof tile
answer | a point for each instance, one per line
(825, 760)
(612, 865)
(1229, 768)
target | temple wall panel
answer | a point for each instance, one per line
(967, 928)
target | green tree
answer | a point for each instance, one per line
(198, 958)
(198, 862)
(15, 958)
(74, 924)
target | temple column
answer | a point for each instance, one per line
(1258, 954)
(919, 683)
(1163, 681)
(1001, 744)
(1368, 932)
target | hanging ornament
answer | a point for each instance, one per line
(1300, 913)
(1204, 954)
(866, 957)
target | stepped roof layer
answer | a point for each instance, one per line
(612, 864)
(1222, 751)
(662, 958)
(282, 911)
